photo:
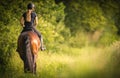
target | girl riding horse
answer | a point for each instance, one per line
(30, 40)
(29, 20)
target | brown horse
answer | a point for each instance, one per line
(28, 46)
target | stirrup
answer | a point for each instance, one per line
(43, 48)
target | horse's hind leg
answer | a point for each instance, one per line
(34, 64)
(26, 67)
(34, 68)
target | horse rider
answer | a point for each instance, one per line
(29, 20)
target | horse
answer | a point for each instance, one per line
(28, 47)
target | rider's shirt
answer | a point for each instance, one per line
(31, 23)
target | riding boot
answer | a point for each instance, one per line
(42, 47)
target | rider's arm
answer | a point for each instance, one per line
(36, 21)
(22, 21)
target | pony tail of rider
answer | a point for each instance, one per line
(28, 16)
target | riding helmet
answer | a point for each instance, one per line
(30, 6)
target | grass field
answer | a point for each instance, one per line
(86, 62)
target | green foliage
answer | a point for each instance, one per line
(70, 23)
(92, 22)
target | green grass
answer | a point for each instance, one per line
(87, 62)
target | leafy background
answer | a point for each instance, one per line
(81, 37)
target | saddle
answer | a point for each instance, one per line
(27, 29)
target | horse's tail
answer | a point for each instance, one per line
(29, 55)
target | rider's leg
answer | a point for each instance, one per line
(42, 47)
